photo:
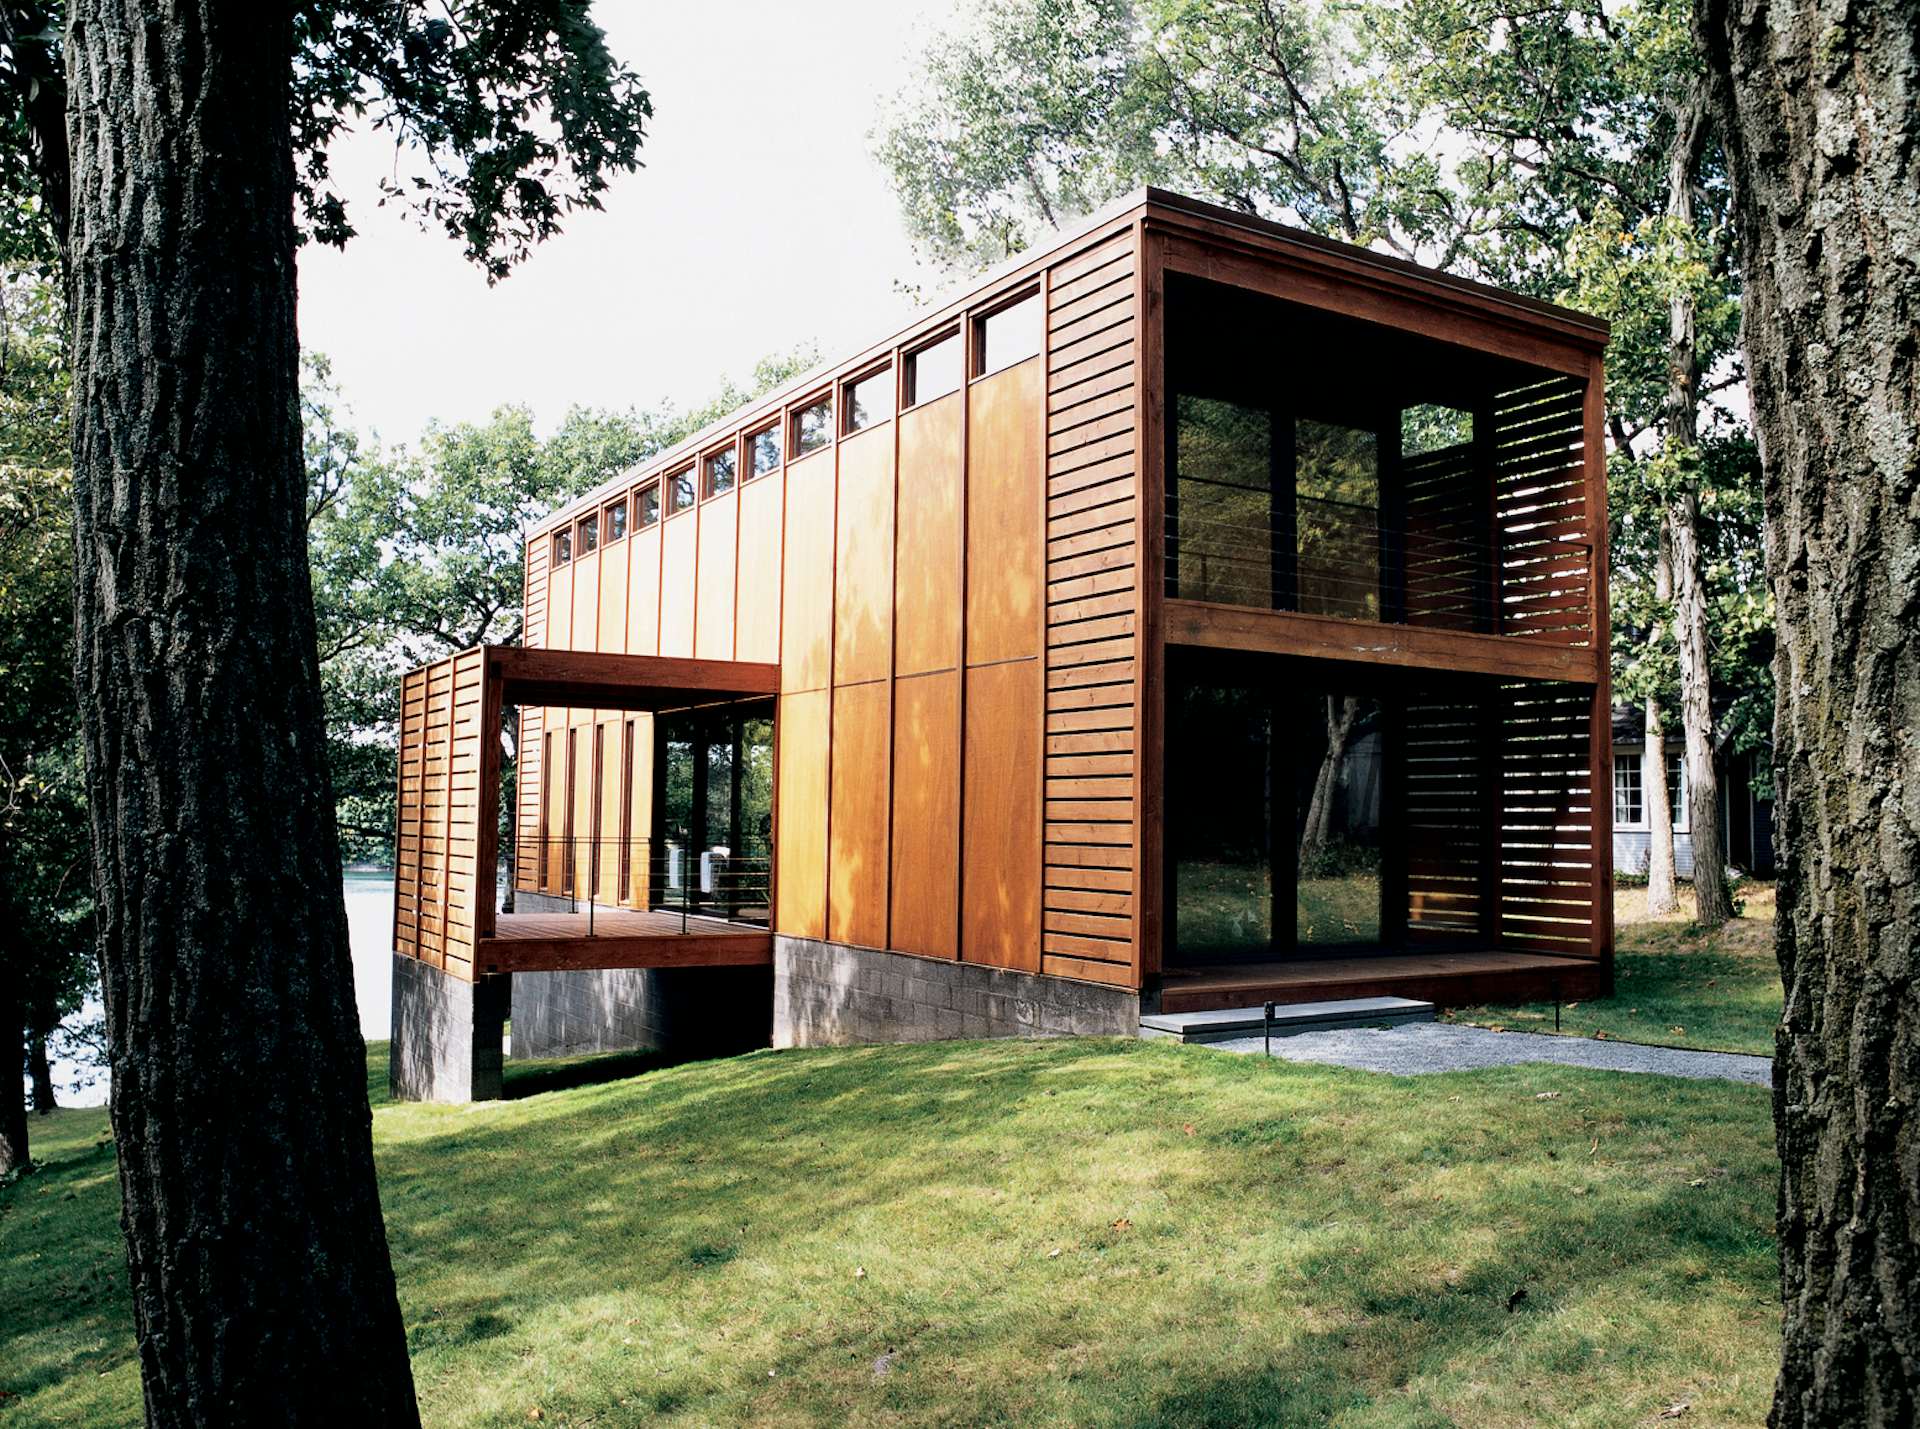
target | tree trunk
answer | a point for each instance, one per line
(1319, 823)
(1712, 903)
(40, 1071)
(510, 805)
(261, 1286)
(1661, 898)
(1819, 109)
(13, 1086)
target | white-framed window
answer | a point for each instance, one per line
(1677, 791)
(1629, 811)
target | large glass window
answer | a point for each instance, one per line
(714, 825)
(1223, 502)
(1336, 493)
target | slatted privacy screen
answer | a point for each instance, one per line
(1092, 617)
(1547, 833)
(1448, 806)
(1545, 544)
(1449, 559)
(436, 882)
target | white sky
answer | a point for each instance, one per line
(759, 221)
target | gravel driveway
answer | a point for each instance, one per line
(1422, 1047)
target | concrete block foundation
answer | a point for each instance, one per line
(446, 1035)
(830, 994)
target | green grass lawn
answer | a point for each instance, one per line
(1674, 984)
(1089, 1232)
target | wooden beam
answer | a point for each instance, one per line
(1325, 637)
(745, 949)
(582, 679)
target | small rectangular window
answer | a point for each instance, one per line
(1008, 336)
(1627, 806)
(764, 447)
(646, 505)
(616, 521)
(562, 547)
(933, 371)
(869, 400)
(720, 469)
(680, 490)
(813, 427)
(587, 534)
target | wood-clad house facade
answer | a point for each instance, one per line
(1185, 570)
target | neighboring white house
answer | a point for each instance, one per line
(1746, 821)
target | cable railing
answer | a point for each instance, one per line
(609, 877)
(1533, 576)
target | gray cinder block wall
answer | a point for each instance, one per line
(829, 994)
(446, 1035)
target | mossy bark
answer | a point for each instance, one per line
(1819, 109)
(261, 1285)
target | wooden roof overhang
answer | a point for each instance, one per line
(583, 679)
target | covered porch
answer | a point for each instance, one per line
(446, 905)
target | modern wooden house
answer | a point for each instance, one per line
(1190, 614)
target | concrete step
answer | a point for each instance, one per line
(1223, 1024)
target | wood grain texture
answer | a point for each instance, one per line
(863, 558)
(762, 517)
(806, 635)
(857, 882)
(927, 604)
(926, 814)
(679, 557)
(714, 597)
(1005, 467)
(1000, 914)
(801, 802)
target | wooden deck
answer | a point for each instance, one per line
(620, 938)
(1445, 979)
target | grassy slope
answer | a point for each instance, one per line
(1674, 984)
(1237, 1242)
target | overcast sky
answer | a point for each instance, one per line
(759, 222)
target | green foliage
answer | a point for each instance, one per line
(1068, 1232)
(45, 879)
(505, 117)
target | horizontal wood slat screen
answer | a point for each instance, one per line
(437, 884)
(1448, 574)
(1448, 804)
(1547, 829)
(1093, 600)
(1540, 512)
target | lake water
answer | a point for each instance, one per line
(369, 931)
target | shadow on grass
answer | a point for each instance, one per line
(532, 1078)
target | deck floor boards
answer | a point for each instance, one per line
(1445, 979)
(620, 938)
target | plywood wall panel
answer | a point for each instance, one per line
(719, 529)
(1005, 469)
(926, 813)
(1001, 854)
(584, 626)
(806, 637)
(761, 517)
(857, 826)
(643, 593)
(560, 608)
(800, 804)
(611, 624)
(927, 606)
(863, 558)
(679, 551)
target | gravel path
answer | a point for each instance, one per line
(1422, 1047)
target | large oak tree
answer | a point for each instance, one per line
(194, 141)
(1819, 108)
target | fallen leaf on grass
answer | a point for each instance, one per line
(1678, 1031)
(1545, 1096)
(534, 1413)
(1054, 1254)
(1674, 1411)
(1698, 1181)
(1188, 1128)
(859, 1272)
(1123, 1224)
(1602, 1036)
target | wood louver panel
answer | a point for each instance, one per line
(1448, 808)
(1449, 559)
(1545, 546)
(1547, 828)
(1093, 598)
(437, 884)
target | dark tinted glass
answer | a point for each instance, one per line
(680, 490)
(720, 467)
(813, 427)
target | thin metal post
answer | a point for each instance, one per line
(1266, 1028)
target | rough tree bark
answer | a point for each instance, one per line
(261, 1285)
(1713, 901)
(1819, 108)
